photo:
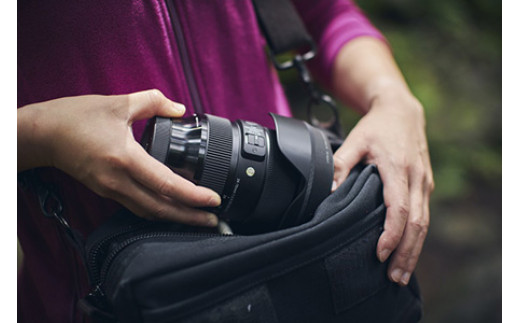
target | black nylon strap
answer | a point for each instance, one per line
(282, 27)
(284, 31)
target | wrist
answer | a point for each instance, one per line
(387, 89)
(33, 138)
(398, 101)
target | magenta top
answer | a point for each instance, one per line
(208, 55)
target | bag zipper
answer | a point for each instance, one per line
(185, 59)
(107, 270)
(142, 236)
(94, 252)
(128, 235)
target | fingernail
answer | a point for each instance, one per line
(215, 200)
(383, 255)
(396, 275)
(405, 278)
(179, 108)
(334, 186)
(212, 220)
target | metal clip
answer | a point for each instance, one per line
(281, 66)
(51, 207)
(318, 99)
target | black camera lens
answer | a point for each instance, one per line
(267, 179)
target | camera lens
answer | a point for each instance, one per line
(263, 185)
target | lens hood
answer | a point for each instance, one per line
(308, 150)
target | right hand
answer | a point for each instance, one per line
(90, 138)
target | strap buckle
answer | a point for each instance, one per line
(290, 63)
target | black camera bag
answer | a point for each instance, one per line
(325, 270)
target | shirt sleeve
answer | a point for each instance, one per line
(332, 24)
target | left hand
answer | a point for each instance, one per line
(392, 136)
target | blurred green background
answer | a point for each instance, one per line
(450, 53)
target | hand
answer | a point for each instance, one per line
(90, 138)
(392, 136)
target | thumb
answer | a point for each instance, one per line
(150, 103)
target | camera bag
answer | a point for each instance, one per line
(325, 270)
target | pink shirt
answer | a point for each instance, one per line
(208, 55)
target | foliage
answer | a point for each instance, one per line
(450, 53)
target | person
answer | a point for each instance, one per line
(91, 73)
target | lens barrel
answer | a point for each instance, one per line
(263, 185)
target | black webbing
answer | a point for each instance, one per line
(282, 27)
(284, 31)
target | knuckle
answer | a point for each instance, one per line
(420, 171)
(431, 185)
(404, 253)
(160, 213)
(401, 162)
(155, 96)
(204, 199)
(393, 239)
(113, 156)
(420, 226)
(428, 182)
(339, 163)
(403, 209)
(114, 160)
(108, 185)
(164, 187)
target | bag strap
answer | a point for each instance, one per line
(51, 206)
(285, 32)
(282, 27)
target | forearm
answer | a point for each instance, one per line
(364, 70)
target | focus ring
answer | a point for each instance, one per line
(218, 156)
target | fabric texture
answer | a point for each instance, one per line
(324, 270)
(70, 48)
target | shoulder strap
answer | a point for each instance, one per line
(285, 32)
(282, 27)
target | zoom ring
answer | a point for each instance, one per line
(218, 156)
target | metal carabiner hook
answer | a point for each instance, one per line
(331, 126)
(52, 207)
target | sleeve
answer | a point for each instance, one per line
(332, 24)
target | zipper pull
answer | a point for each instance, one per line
(94, 306)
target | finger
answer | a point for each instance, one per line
(345, 158)
(407, 253)
(150, 103)
(159, 178)
(148, 204)
(397, 201)
(429, 184)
